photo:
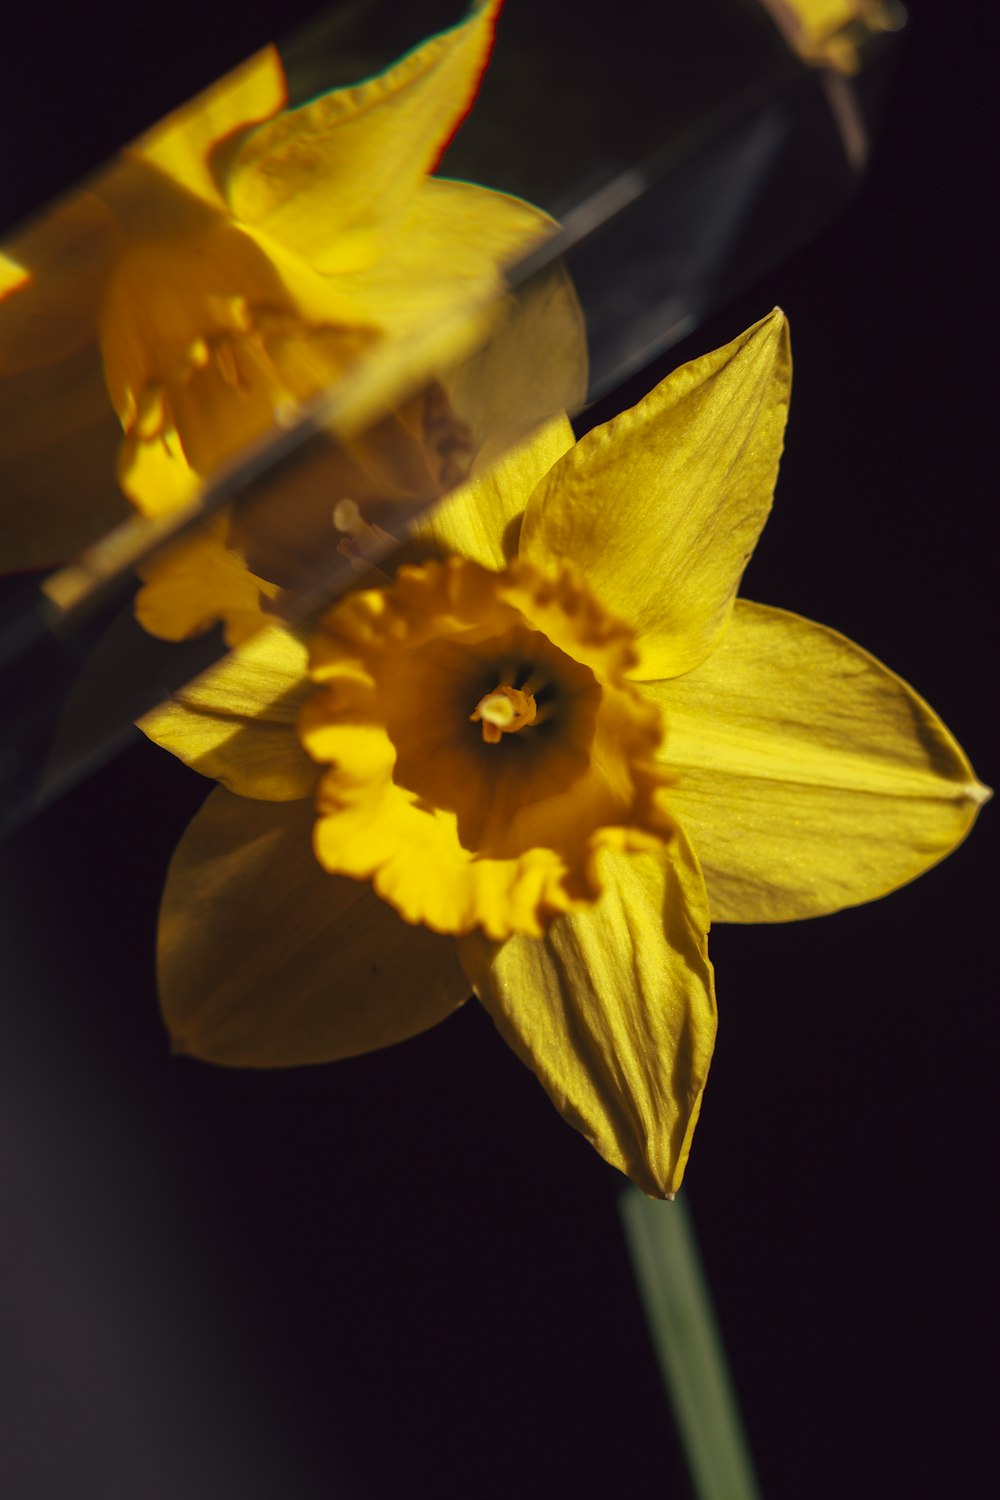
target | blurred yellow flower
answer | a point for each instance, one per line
(709, 757)
(237, 258)
(245, 564)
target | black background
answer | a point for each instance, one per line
(404, 1273)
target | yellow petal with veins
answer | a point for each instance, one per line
(333, 179)
(614, 1009)
(266, 961)
(661, 508)
(809, 776)
(236, 721)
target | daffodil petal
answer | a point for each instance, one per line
(59, 442)
(266, 961)
(58, 433)
(154, 472)
(480, 520)
(51, 280)
(182, 145)
(511, 393)
(236, 722)
(614, 1010)
(449, 245)
(331, 178)
(197, 583)
(810, 777)
(660, 508)
(532, 366)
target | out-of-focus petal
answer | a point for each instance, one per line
(449, 246)
(236, 721)
(334, 177)
(660, 508)
(52, 277)
(183, 145)
(58, 433)
(810, 777)
(195, 584)
(480, 521)
(532, 366)
(267, 961)
(58, 445)
(511, 394)
(614, 1010)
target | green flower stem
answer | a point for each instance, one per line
(684, 1332)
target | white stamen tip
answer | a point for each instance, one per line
(287, 414)
(346, 515)
(497, 710)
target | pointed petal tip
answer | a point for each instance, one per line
(771, 335)
(777, 320)
(977, 792)
(775, 332)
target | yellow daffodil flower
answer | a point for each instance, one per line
(538, 762)
(236, 260)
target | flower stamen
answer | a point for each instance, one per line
(504, 711)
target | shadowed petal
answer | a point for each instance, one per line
(532, 365)
(52, 278)
(58, 432)
(810, 777)
(188, 588)
(236, 721)
(267, 961)
(615, 1011)
(661, 508)
(59, 441)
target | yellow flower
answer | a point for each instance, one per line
(237, 258)
(576, 857)
(480, 726)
